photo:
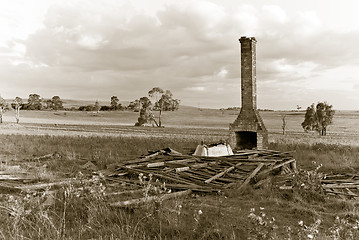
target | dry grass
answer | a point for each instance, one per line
(85, 213)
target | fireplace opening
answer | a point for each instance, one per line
(246, 140)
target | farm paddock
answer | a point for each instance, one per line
(78, 209)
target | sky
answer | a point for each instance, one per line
(307, 51)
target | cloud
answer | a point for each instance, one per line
(88, 47)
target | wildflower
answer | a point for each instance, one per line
(300, 223)
(251, 215)
(200, 212)
(318, 221)
(261, 221)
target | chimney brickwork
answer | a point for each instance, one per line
(248, 130)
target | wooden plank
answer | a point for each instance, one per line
(181, 161)
(276, 166)
(199, 165)
(340, 194)
(155, 164)
(248, 179)
(139, 201)
(158, 175)
(193, 176)
(336, 193)
(339, 186)
(222, 173)
(258, 160)
(181, 169)
(352, 194)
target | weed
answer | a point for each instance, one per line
(307, 184)
(263, 227)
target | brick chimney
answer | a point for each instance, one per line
(248, 130)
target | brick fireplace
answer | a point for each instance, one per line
(248, 130)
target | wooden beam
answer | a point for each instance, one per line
(277, 166)
(155, 164)
(248, 179)
(341, 185)
(222, 173)
(159, 175)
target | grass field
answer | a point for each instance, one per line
(110, 137)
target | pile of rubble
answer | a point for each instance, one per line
(188, 173)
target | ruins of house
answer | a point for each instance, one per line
(248, 130)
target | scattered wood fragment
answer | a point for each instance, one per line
(222, 173)
(245, 183)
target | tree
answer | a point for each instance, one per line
(318, 118)
(156, 94)
(167, 102)
(145, 104)
(34, 102)
(17, 107)
(49, 104)
(114, 103)
(135, 105)
(3, 107)
(56, 103)
(163, 101)
(175, 104)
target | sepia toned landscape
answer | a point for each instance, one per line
(183, 119)
(49, 147)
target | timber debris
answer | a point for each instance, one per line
(203, 174)
(166, 174)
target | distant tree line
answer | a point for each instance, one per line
(35, 102)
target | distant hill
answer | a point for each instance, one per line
(68, 103)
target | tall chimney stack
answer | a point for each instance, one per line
(248, 73)
(248, 130)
